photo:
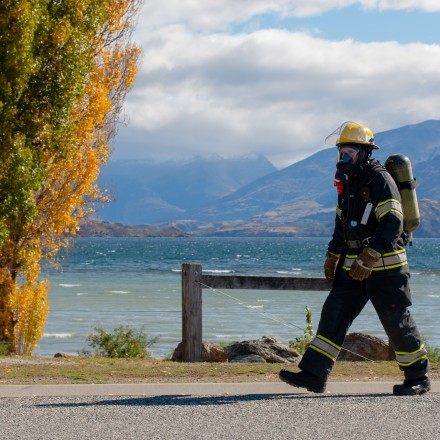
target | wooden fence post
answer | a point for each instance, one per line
(192, 312)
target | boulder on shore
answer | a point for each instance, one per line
(65, 355)
(210, 353)
(269, 348)
(265, 349)
(248, 359)
(356, 347)
(361, 347)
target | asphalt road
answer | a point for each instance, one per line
(253, 411)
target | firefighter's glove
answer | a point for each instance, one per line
(363, 265)
(330, 264)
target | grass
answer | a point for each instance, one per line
(82, 370)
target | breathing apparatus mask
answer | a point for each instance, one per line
(350, 161)
(352, 157)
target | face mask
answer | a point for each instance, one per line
(348, 154)
(350, 158)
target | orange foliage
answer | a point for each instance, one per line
(69, 189)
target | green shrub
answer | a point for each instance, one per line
(123, 342)
(433, 353)
(301, 342)
(4, 348)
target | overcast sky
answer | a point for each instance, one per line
(275, 77)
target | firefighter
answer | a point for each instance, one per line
(366, 261)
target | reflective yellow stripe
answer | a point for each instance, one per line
(389, 260)
(394, 266)
(390, 205)
(390, 210)
(412, 362)
(405, 359)
(399, 251)
(411, 352)
(329, 342)
(323, 352)
(326, 347)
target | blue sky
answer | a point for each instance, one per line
(274, 77)
(353, 22)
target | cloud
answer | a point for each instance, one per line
(268, 91)
(421, 5)
(219, 14)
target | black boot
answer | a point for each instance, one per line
(303, 380)
(413, 387)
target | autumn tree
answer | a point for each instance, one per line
(65, 69)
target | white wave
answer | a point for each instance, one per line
(288, 272)
(254, 307)
(58, 335)
(218, 271)
(434, 296)
(176, 270)
(123, 292)
(82, 293)
(69, 285)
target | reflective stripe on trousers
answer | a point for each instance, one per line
(326, 347)
(389, 260)
(406, 359)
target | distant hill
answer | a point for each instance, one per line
(300, 199)
(151, 192)
(220, 197)
(94, 228)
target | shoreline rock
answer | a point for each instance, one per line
(361, 347)
(356, 347)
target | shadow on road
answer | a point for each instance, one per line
(188, 400)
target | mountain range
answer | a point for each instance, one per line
(249, 196)
(146, 192)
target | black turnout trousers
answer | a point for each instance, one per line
(390, 296)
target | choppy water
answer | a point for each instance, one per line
(107, 282)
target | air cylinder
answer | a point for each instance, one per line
(399, 166)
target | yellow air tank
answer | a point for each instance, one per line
(399, 166)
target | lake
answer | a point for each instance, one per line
(107, 282)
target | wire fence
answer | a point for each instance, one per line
(67, 328)
(242, 315)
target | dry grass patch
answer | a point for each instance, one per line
(31, 370)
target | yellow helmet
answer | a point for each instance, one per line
(352, 133)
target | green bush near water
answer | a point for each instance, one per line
(433, 353)
(123, 342)
(301, 343)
